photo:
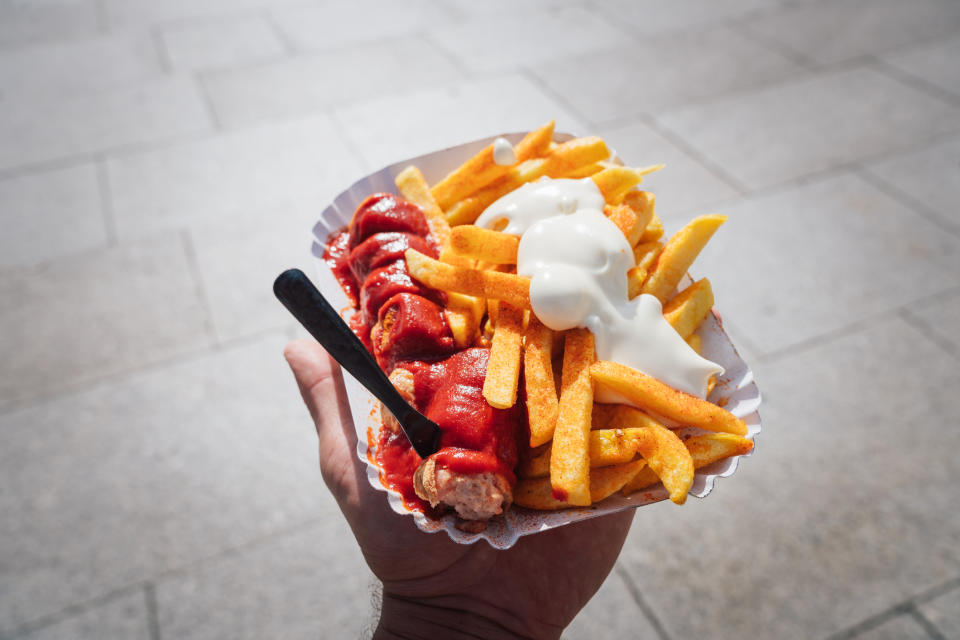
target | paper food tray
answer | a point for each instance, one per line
(736, 385)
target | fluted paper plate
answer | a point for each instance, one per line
(736, 386)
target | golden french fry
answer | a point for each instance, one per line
(653, 231)
(635, 279)
(653, 395)
(622, 216)
(704, 450)
(584, 172)
(679, 254)
(607, 447)
(538, 493)
(570, 456)
(483, 244)
(620, 416)
(503, 368)
(614, 182)
(508, 287)
(481, 170)
(463, 315)
(559, 161)
(669, 459)
(696, 343)
(688, 308)
(643, 204)
(542, 403)
(414, 188)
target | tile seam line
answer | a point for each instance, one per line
(928, 331)
(775, 355)
(902, 607)
(153, 616)
(918, 207)
(190, 355)
(527, 73)
(193, 264)
(131, 588)
(695, 154)
(286, 43)
(912, 81)
(926, 623)
(106, 203)
(740, 27)
(639, 600)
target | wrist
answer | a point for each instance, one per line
(412, 619)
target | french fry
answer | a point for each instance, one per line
(414, 188)
(669, 459)
(643, 204)
(679, 254)
(644, 254)
(570, 456)
(607, 447)
(614, 182)
(538, 493)
(624, 217)
(688, 308)
(704, 450)
(463, 314)
(665, 401)
(559, 161)
(654, 230)
(620, 416)
(508, 287)
(636, 276)
(696, 343)
(542, 402)
(481, 170)
(483, 244)
(584, 172)
(503, 368)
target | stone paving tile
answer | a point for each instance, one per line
(684, 186)
(612, 613)
(808, 260)
(433, 119)
(343, 24)
(843, 511)
(470, 8)
(148, 474)
(903, 627)
(82, 65)
(50, 214)
(326, 591)
(931, 176)
(319, 80)
(215, 177)
(653, 74)
(944, 613)
(793, 129)
(27, 22)
(650, 17)
(941, 315)
(122, 618)
(833, 31)
(63, 126)
(98, 313)
(490, 43)
(936, 63)
(224, 43)
(239, 287)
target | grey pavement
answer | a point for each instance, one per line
(161, 162)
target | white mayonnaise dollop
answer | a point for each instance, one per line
(503, 153)
(577, 261)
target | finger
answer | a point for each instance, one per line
(321, 387)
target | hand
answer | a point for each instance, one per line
(432, 586)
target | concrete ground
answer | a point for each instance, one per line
(162, 161)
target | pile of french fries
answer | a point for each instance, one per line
(580, 451)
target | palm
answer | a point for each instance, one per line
(543, 580)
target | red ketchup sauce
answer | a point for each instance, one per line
(402, 323)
